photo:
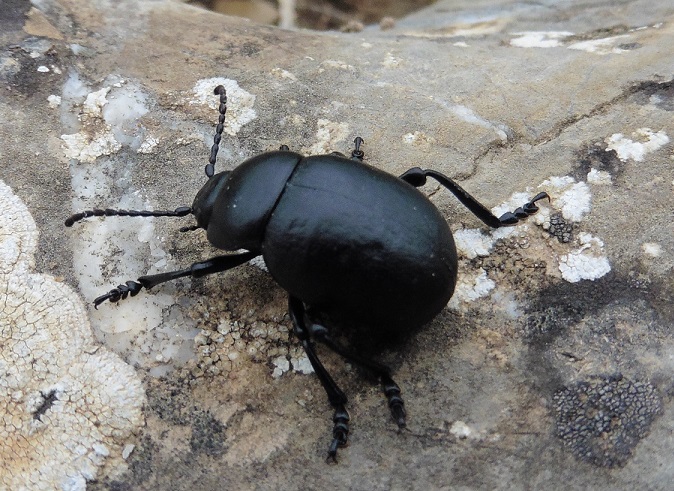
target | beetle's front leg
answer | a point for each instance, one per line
(196, 270)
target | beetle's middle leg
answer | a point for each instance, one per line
(417, 178)
(197, 270)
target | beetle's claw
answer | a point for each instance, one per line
(399, 416)
(338, 441)
(332, 453)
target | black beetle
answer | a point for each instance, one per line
(352, 245)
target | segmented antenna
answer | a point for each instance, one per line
(181, 211)
(222, 109)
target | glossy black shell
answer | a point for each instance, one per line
(352, 242)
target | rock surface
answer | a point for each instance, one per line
(552, 365)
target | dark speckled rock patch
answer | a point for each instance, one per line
(602, 421)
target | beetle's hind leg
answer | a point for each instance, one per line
(391, 389)
(305, 331)
(337, 398)
(417, 178)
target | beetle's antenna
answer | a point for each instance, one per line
(222, 109)
(181, 211)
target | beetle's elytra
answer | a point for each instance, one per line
(354, 247)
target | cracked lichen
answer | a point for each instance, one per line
(67, 404)
(560, 228)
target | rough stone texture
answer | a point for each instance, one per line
(507, 97)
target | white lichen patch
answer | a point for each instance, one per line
(163, 338)
(599, 177)
(544, 252)
(95, 101)
(644, 142)
(281, 366)
(107, 119)
(539, 39)
(239, 102)
(302, 364)
(391, 61)
(572, 198)
(258, 262)
(148, 145)
(68, 405)
(602, 46)
(471, 287)
(418, 139)
(469, 116)
(460, 430)
(472, 242)
(284, 74)
(588, 262)
(327, 136)
(54, 101)
(87, 148)
(337, 64)
(651, 249)
(556, 39)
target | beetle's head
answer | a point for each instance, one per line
(202, 208)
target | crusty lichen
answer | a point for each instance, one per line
(601, 421)
(67, 404)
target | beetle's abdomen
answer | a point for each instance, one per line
(246, 199)
(360, 245)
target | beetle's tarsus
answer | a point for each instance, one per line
(391, 389)
(524, 211)
(120, 293)
(340, 432)
(395, 401)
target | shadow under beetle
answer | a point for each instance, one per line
(351, 244)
